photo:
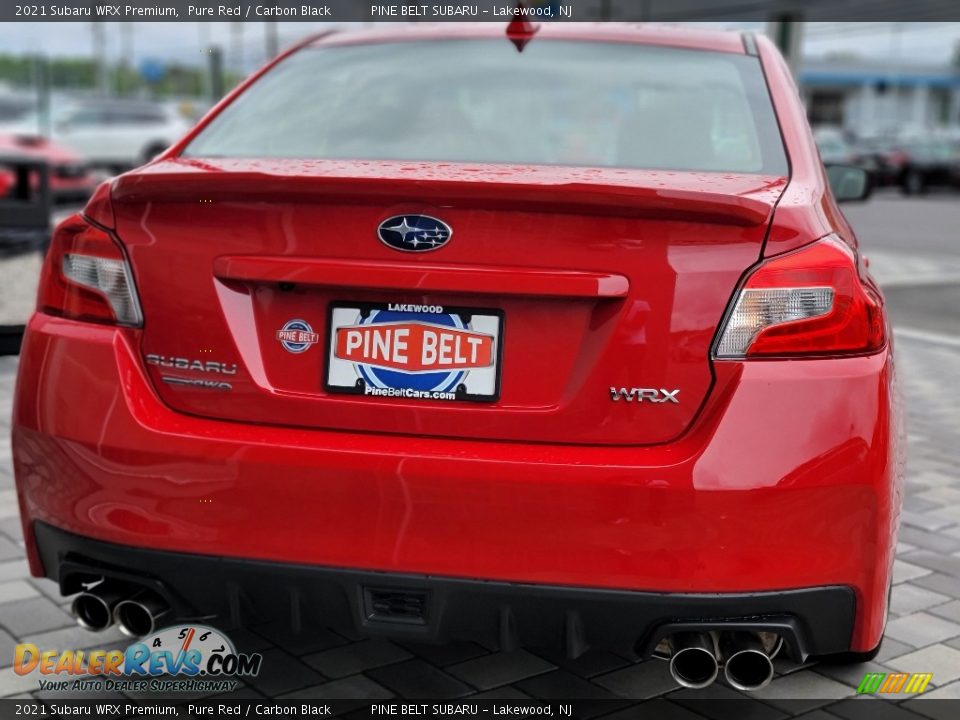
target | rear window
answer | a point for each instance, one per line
(480, 101)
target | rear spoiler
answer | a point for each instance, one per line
(690, 197)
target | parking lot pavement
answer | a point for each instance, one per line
(895, 269)
(923, 634)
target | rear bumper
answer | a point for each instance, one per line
(813, 621)
(790, 480)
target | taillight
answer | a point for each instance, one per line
(86, 276)
(810, 302)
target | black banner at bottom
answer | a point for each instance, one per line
(616, 709)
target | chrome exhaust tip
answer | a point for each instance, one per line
(747, 665)
(693, 660)
(93, 609)
(139, 615)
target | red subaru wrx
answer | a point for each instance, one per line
(433, 335)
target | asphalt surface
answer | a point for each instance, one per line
(923, 232)
(914, 254)
(928, 225)
(934, 308)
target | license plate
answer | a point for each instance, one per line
(409, 351)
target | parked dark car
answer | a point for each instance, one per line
(836, 150)
(884, 157)
(929, 163)
(24, 236)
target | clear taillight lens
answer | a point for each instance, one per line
(757, 310)
(810, 302)
(109, 277)
(86, 276)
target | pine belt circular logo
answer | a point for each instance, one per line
(414, 233)
(296, 336)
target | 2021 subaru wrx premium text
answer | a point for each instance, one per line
(421, 335)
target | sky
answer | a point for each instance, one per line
(244, 43)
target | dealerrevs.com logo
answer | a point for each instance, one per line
(183, 658)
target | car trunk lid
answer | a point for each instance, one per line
(575, 305)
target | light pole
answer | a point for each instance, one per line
(786, 31)
(99, 56)
(126, 57)
(272, 39)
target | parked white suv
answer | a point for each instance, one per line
(120, 132)
(117, 133)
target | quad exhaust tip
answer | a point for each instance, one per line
(746, 657)
(138, 616)
(92, 612)
(693, 660)
(93, 609)
(748, 667)
(107, 603)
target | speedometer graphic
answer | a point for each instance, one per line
(185, 638)
(191, 650)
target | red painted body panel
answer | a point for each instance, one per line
(499, 280)
(773, 474)
(678, 242)
(722, 198)
(745, 502)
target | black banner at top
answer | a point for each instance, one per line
(477, 11)
(729, 706)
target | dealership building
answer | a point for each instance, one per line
(870, 98)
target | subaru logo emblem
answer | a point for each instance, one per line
(414, 233)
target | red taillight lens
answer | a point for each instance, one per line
(86, 276)
(810, 302)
